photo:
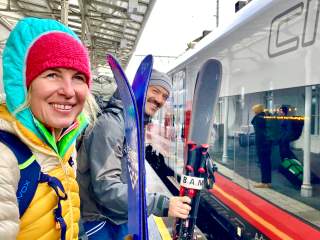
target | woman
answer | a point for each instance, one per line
(46, 76)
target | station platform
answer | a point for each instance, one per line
(161, 228)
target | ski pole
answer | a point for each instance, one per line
(201, 174)
(187, 226)
(189, 171)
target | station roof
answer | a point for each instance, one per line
(105, 26)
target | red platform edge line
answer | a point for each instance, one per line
(269, 219)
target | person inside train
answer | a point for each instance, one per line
(263, 145)
(289, 133)
(46, 78)
(102, 169)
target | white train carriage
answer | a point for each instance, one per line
(270, 55)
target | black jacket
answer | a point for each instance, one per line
(259, 125)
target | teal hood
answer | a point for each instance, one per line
(26, 32)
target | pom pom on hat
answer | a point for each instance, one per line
(54, 50)
(160, 79)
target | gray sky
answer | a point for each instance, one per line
(174, 23)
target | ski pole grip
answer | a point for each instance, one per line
(203, 159)
(191, 158)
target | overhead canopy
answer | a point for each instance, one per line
(105, 26)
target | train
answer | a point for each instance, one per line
(269, 55)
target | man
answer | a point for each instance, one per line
(263, 145)
(102, 172)
(286, 136)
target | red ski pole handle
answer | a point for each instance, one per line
(191, 158)
(203, 160)
(182, 191)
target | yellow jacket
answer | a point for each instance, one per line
(38, 221)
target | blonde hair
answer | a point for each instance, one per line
(258, 108)
(90, 109)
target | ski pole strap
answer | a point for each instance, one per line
(57, 186)
(211, 169)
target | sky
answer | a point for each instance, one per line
(174, 23)
(171, 25)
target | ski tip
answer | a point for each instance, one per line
(110, 59)
(212, 61)
(109, 56)
(149, 57)
(147, 60)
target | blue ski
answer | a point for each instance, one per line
(140, 87)
(133, 148)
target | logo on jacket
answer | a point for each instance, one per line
(23, 190)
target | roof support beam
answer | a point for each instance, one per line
(83, 6)
(64, 11)
(4, 23)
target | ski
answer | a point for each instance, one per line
(198, 171)
(140, 86)
(136, 219)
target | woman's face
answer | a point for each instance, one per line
(57, 97)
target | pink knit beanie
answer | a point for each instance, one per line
(54, 50)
